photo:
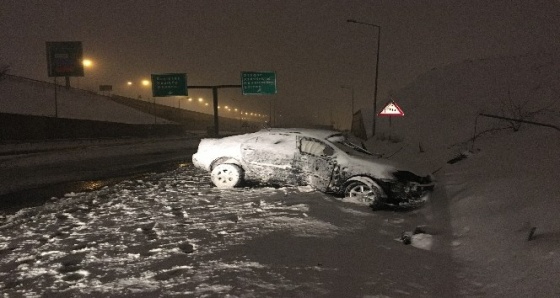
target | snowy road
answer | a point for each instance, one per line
(172, 233)
(43, 169)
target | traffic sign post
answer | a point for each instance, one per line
(258, 82)
(64, 59)
(169, 84)
(391, 109)
(215, 101)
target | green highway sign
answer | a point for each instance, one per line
(169, 84)
(258, 82)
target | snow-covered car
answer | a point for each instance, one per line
(323, 159)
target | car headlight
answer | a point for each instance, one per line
(407, 176)
(404, 187)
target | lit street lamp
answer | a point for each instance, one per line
(87, 63)
(144, 83)
(376, 67)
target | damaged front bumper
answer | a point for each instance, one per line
(409, 194)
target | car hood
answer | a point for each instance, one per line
(368, 165)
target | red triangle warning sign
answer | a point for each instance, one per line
(391, 109)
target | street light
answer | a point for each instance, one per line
(376, 67)
(145, 84)
(87, 63)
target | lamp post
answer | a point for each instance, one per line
(331, 124)
(87, 63)
(376, 68)
(146, 83)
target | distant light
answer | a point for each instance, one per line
(190, 99)
(206, 104)
(129, 83)
(200, 99)
(87, 63)
(145, 82)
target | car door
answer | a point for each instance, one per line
(269, 157)
(316, 162)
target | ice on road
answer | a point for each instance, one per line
(173, 233)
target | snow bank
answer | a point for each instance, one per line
(29, 97)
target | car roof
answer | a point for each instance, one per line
(321, 134)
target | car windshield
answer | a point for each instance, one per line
(342, 143)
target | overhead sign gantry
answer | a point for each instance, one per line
(252, 83)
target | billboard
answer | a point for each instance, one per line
(64, 59)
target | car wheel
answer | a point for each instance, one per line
(227, 175)
(365, 190)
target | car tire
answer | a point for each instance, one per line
(367, 189)
(227, 175)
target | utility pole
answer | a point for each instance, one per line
(215, 102)
(376, 68)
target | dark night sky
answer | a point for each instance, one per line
(308, 43)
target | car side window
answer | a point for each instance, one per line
(276, 149)
(315, 147)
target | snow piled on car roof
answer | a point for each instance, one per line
(315, 133)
